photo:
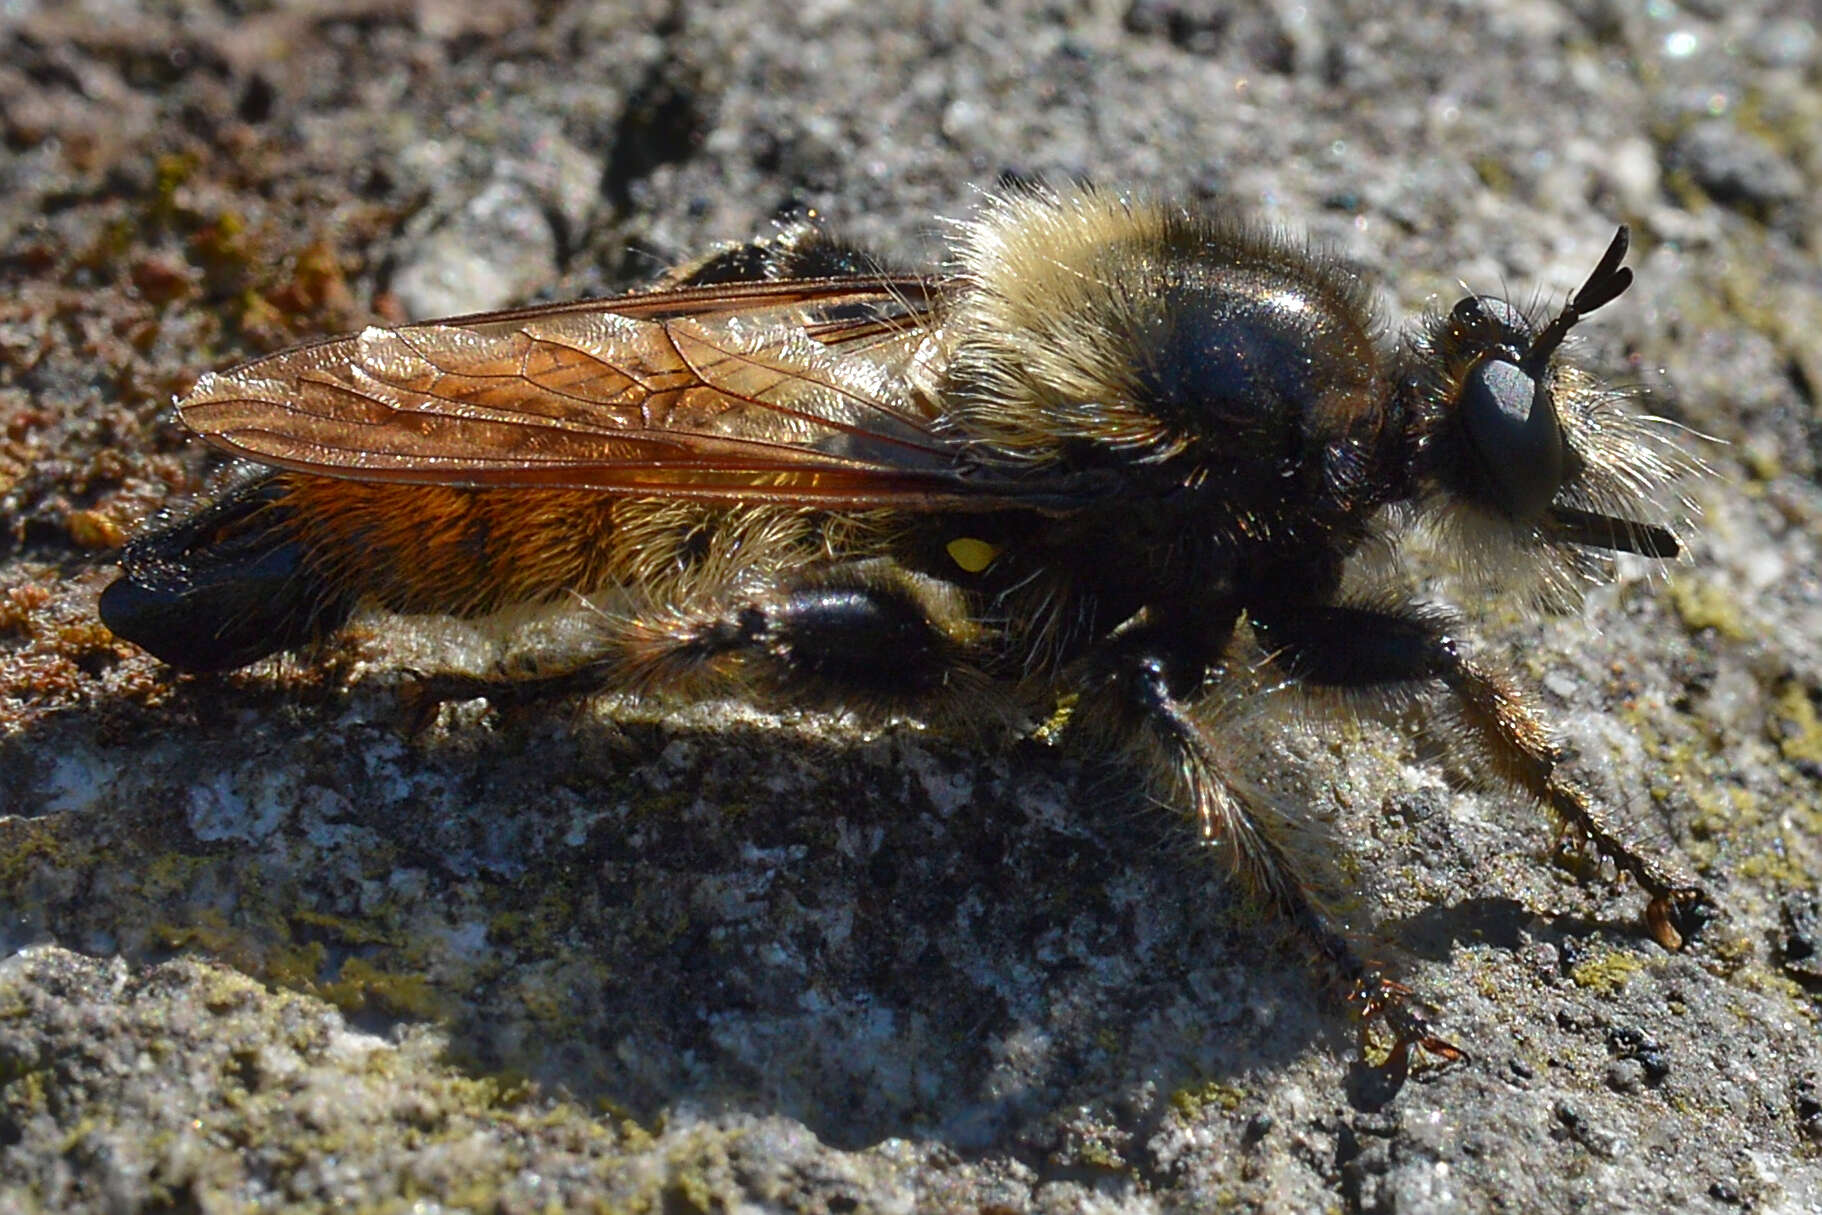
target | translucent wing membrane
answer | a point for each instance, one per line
(784, 392)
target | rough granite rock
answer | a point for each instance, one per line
(275, 940)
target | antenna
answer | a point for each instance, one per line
(1608, 282)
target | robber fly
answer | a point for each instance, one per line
(1120, 442)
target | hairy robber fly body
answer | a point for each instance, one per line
(1119, 443)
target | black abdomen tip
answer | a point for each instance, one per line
(222, 588)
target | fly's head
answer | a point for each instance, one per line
(1524, 461)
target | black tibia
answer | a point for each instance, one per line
(1144, 693)
(1351, 647)
(223, 587)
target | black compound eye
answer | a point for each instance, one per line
(1491, 313)
(1469, 310)
(1511, 424)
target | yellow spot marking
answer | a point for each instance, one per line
(971, 554)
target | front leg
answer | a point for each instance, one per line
(1355, 647)
(1140, 692)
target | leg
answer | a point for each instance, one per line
(1138, 696)
(801, 250)
(1352, 647)
(869, 637)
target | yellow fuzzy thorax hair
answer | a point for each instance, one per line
(1070, 294)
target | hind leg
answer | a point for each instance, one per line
(867, 636)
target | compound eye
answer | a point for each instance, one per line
(1512, 426)
(1469, 310)
(1489, 312)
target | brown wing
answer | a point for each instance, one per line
(784, 391)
